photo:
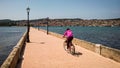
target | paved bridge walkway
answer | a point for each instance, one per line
(46, 51)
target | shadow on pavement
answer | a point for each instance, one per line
(38, 42)
(77, 54)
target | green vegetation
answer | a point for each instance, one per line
(7, 22)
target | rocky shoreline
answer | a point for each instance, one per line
(76, 22)
(64, 22)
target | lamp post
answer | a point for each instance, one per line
(38, 25)
(47, 24)
(28, 25)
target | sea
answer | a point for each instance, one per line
(9, 37)
(108, 36)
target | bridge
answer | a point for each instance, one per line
(46, 51)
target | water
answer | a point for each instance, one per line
(9, 36)
(108, 36)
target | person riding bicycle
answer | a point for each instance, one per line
(68, 34)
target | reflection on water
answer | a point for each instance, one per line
(9, 36)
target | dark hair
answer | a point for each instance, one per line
(67, 29)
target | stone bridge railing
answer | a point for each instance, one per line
(15, 54)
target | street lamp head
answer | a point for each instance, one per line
(28, 9)
(47, 18)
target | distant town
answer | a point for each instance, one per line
(63, 22)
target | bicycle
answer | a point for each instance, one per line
(72, 50)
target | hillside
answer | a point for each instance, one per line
(77, 22)
(63, 22)
(7, 22)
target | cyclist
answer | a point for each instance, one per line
(68, 34)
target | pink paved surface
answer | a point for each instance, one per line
(46, 51)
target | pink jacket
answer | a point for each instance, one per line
(68, 33)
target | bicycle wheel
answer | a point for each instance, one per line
(72, 49)
(65, 46)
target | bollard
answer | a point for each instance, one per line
(98, 48)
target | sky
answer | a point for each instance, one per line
(55, 9)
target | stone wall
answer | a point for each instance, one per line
(15, 54)
(110, 53)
